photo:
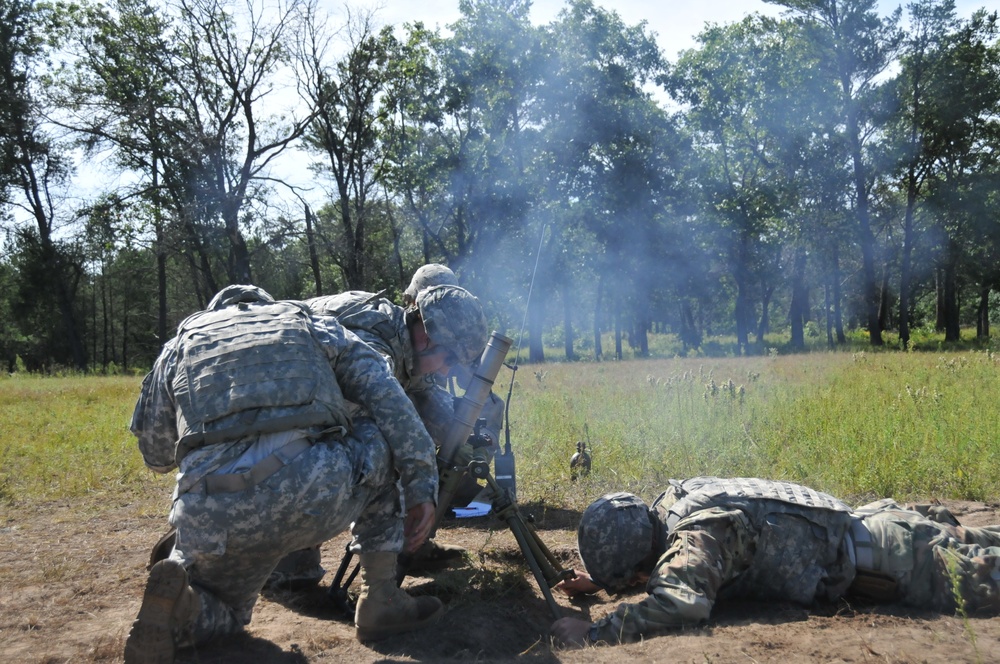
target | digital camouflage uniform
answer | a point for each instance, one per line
(768, 540)
(382, 325)
(332, 471)
(923, 550)
(427, 276)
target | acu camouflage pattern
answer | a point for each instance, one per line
(230, 541)
(376, 321)
(362, 377)
(454, 319)
(614, 537)
(426, 276)
(724, 551)
(255, 367)
(925, 552)
(382, 325)
(741, 537)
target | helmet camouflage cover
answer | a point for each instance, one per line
(426, 276)
(454, 319)
(237, 293)
(614, 536)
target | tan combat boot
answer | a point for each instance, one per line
(384, 608)
(169, 606)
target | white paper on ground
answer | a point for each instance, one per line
(471, 510)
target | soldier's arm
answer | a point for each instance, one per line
(364, 378)
(436, 408)
(154, 420)
(706, 551)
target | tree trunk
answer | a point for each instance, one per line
(866, 238)
(690, 336)
(764, 325)
(828, 314)
(800, 302)
(911, 204)
(618, 329)
(568, 316)
(885, 303)
(536, 325)
(239, 254)
(983, 314)
(106, 316)
(598, 346)
(161, 258)
(641, 336)
(313, 254)
(939, 309)
(838, 316)
(641, 324)
(124, 366)
(952, 330)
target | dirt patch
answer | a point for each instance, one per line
(72, 574)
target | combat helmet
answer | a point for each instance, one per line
(614, 537)
(454, 319)
(426, 276)
(237, 293)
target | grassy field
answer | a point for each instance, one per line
(68, 437)
(860, 425)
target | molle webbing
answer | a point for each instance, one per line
(248, 369)
(705, 492)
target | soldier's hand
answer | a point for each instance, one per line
(417, 525)
(571, 632)
(581, 584)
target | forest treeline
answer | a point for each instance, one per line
(834, 168)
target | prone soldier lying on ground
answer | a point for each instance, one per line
(708, 538)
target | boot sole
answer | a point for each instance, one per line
(369, 634)
(151, 640)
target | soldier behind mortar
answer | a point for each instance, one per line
(429, 276)
(707, 538)
(251, 402)
(443, 329)
(400, 335)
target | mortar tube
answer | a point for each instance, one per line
(467, 411)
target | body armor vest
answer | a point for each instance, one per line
(370, 314)
(753, 496)
(797, 532)
(251, 368)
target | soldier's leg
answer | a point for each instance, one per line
(985, 536)
(298, 570)
(176, 611)
(934, 511)
(966, 577)
(935, 564)
(230, 542)
(383, 608)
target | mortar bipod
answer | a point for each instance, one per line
(542, 562)
(339, 595)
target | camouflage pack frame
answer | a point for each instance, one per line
(540, 560)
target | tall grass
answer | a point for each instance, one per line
(66, 437)
(859, 425)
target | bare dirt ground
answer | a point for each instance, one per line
(72, 574)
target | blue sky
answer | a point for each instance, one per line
(675, 22)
